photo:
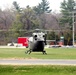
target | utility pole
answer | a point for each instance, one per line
(73, 27)
(73, 19)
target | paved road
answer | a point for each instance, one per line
(36, 62)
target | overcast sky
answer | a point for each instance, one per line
(54, 4)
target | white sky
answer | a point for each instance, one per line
(54, 4)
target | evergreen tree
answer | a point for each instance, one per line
(67, 7)
(66, 10)
(16, 5)
(42, 7)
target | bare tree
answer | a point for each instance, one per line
(6, 19)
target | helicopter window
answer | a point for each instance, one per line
(35, 36)
(43, 35)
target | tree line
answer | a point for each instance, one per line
(18, 22)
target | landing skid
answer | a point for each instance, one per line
(29, 51)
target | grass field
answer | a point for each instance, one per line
(37, 70)
(52, 53)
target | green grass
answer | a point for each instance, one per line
(52, 53)
(37, 70)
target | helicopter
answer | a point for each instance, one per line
(37, 42)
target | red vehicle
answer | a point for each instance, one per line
(23, 41)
